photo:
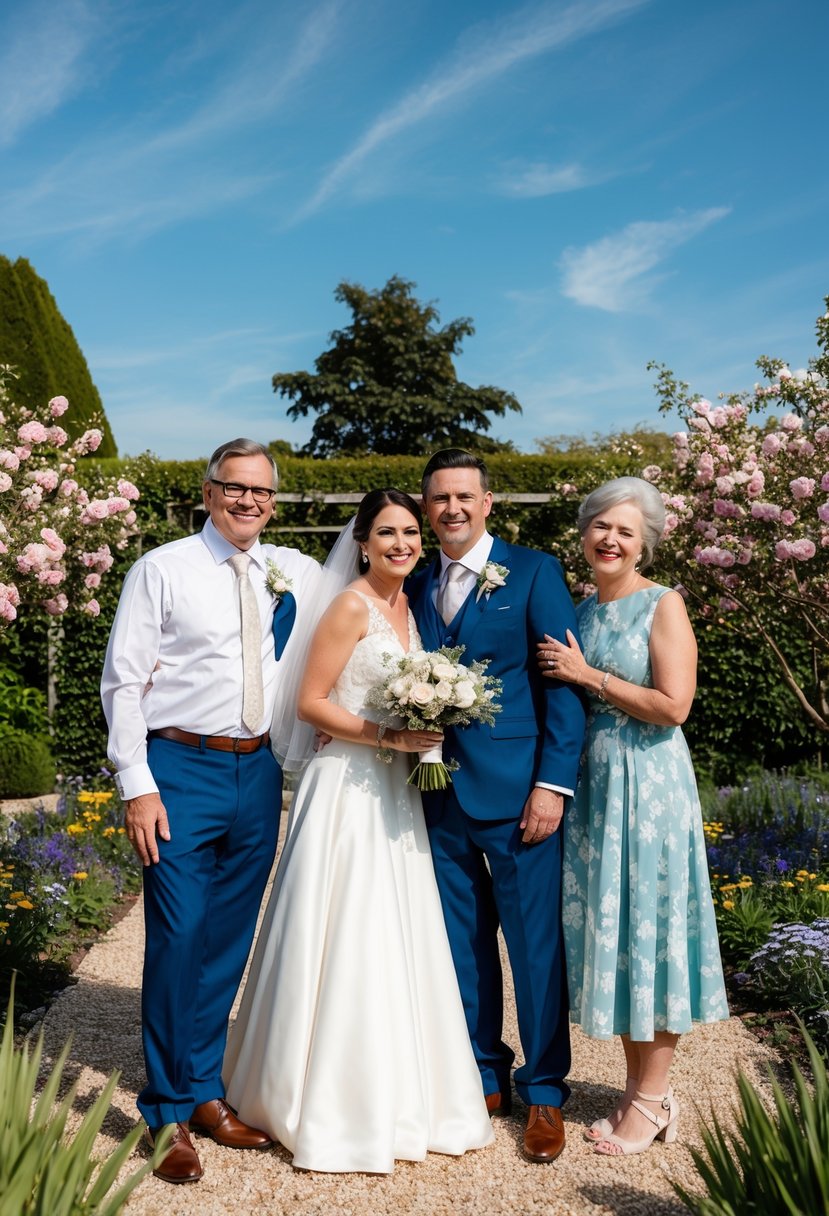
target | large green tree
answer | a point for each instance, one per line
(387, 384)
(37, 341)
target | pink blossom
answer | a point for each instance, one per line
(89, 441)
(50, 578)
(744, 556)
(714, 556)
(718, 417)
(726, 604)
(765, 510)
(101, 559)
(787, 517)
(8, 612)
(34, 558)
(681, 439)
(127, 490)
(9, 460)
(802, 487)
(92, 608)
(823, 513)
(700, 424)
(726, 509)
(824, 482)
(701, 406)
(725, 485)
(57, 435)
(671, 523)
(705, 468)
(47, 479)
(22, 453)
(5, 483)
(822, 435)
(53, 541)
(130, 518)
(32, 432)
(58, 406)
(31, 497)
(651, 472)
(791, 422)
(784, 373)
(57, 606)
(756, 483)
(116, 505)
(774, 443)
(802, 447)
(802, 549)
(68, 487)
(91, 581)
(95, 511)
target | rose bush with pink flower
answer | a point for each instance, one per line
(54, 531)
(770, 554)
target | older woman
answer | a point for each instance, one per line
(643, 960)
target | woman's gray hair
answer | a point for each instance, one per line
(239, 447)
(628, 489)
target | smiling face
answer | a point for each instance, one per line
(240, 520)
(394, 542)
(613, 541)
(457, 506)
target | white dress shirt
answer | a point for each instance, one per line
(175, 652)
(473, 562)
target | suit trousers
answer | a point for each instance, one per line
(201, 902)
(487, 876)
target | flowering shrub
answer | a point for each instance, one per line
(55, 533)
(795, 961)
(748, 510)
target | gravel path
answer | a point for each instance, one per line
(102, 1012)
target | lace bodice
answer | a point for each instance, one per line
(370, 661)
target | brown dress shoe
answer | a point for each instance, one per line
(498, 1103)
(217, 1120)
(181, 1161)
(544, 1134)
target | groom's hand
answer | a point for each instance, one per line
(144, 817)
(542, 815)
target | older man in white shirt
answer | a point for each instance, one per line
(188, 688)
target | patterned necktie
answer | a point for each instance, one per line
(452, 593)
(253, 701)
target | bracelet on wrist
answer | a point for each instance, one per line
(600, 691)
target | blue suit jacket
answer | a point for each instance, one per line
(538, 734)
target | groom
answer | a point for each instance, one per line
(494, 830)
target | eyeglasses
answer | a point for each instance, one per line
(232, 489)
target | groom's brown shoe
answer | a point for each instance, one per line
(217, 1120)
(498, 1103)
(181, 1161)
(544, 1134)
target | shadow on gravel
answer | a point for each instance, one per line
(628, 1201)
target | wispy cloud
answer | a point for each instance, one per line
(159, 171)
(42, 61)
(488, 51)
(538, 180)
(612, 273)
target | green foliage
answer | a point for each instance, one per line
(27, 767)
(387, 383)
(773, 1163)
(21, 706)
(43, 1171)
(36, 339)
(744, 920)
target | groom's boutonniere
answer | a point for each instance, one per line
(491, 577)
(275, 580)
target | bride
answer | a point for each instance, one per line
(351, 1047)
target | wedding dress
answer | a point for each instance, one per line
(351, 1047)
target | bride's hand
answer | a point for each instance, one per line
(560, 662)
(412, 740)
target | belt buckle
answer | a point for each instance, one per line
(236, 749)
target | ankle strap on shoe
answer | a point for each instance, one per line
(665, 1098)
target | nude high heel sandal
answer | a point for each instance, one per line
(666, 1126)
(602, 1128)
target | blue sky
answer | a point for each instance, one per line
(596, 184)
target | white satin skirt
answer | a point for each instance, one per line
(351, 1047)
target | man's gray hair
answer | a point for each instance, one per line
(628, 489)
(239, 447)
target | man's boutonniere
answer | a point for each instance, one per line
(275, 580)
(491, 577)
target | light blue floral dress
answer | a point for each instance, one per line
(639, 925)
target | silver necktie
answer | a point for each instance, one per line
(253, 700)
(452, 593)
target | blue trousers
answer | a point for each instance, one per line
(487, 876)
(201, 902)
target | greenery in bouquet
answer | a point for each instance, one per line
(430, 690)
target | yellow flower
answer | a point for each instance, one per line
(122, 831)
(728, 903)
(822, 886)
(85, 797)
(103, 796)
(744, 884)
(787, 884)
(25, 903)
(4, 884)
(108, 832)
(17, 894)
(802, 873)
(4, 924)
(75, 829)
(729, 886)
(80, 875)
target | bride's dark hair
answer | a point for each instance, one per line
(373, 504)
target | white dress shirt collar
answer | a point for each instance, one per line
(474, 559)
(220, 548)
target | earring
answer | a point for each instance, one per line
(363, 558)
(638, 562)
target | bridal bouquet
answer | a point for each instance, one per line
(430, 691)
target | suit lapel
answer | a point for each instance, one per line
(474, 606)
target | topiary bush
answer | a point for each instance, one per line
(26, 765)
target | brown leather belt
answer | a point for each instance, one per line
(219, 743)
